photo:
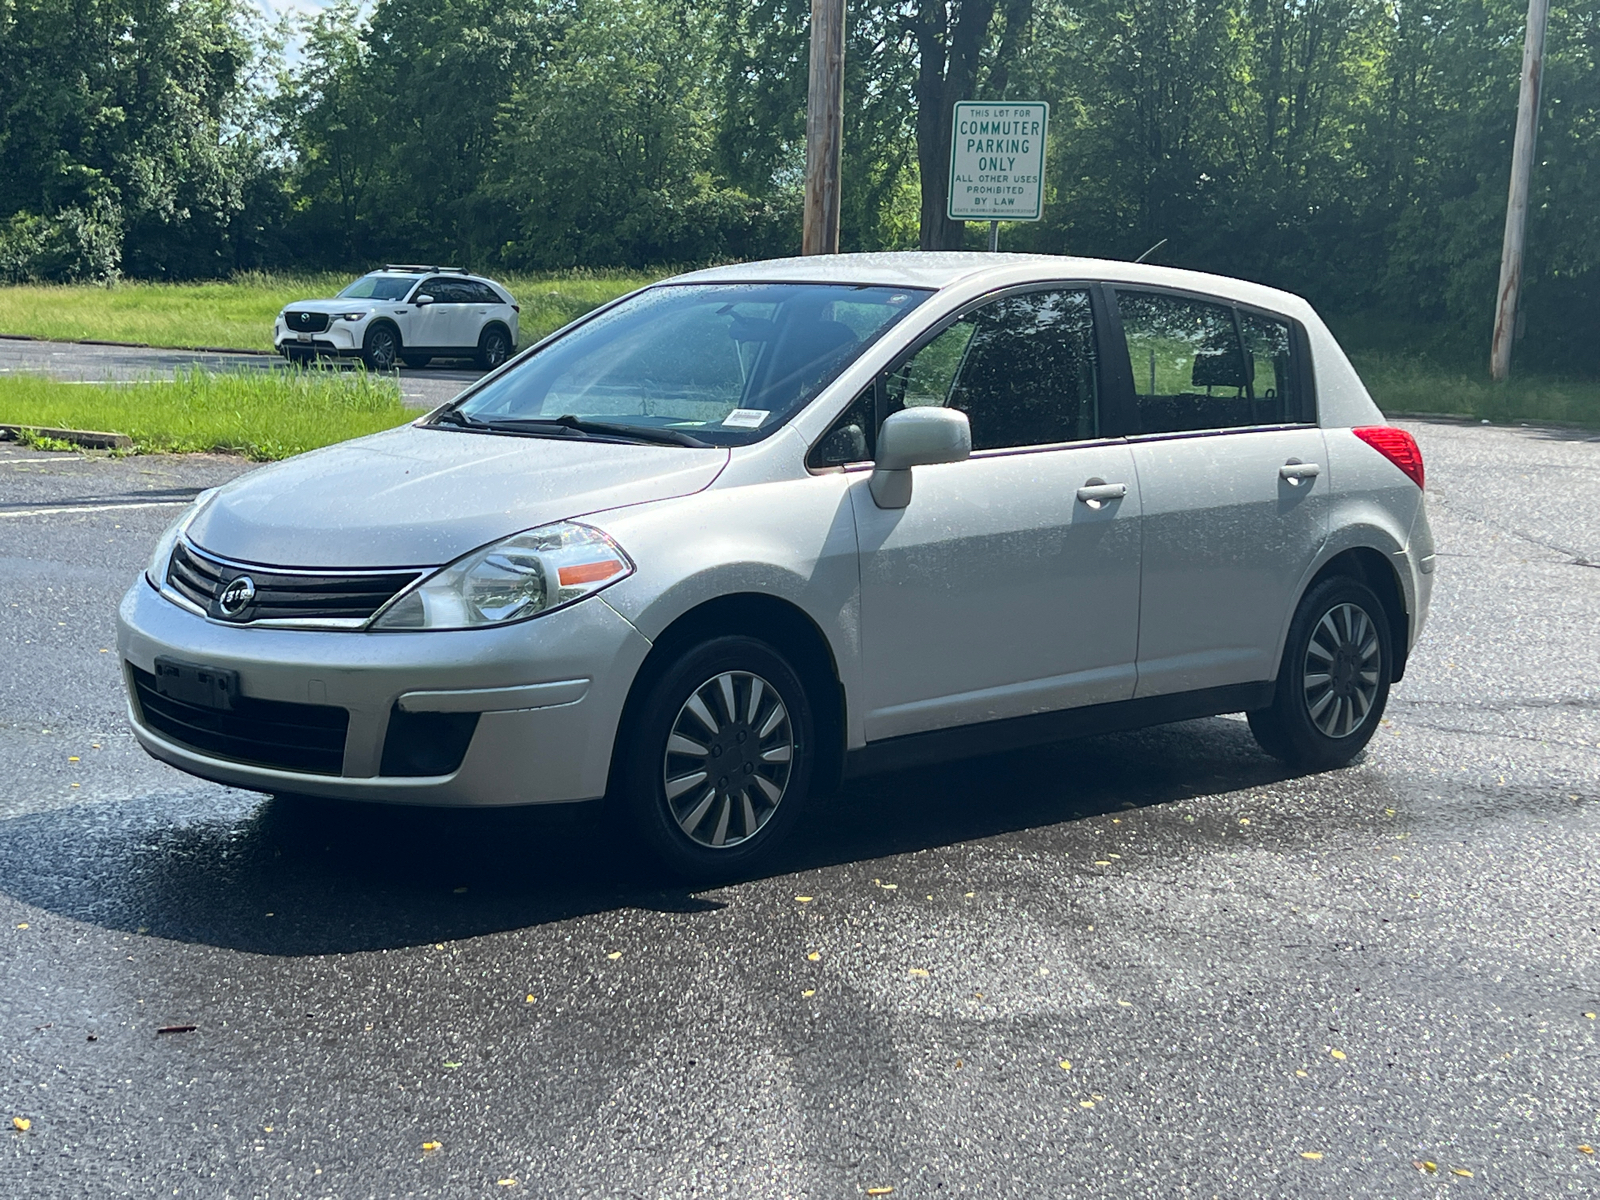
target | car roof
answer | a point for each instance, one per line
(940, 269)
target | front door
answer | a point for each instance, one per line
(998, 592)
(1232, 482)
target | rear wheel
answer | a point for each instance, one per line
(715, 768)
(494, 347)
(381, 351)
(1333, 684)
(416, 360)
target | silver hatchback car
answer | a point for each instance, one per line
(755, 529)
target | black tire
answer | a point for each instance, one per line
(381, 350)
(416, 360)
(1322, 719)
(729, 796)
(494, 347)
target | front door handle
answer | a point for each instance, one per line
(1097, 492)
(1295, 472)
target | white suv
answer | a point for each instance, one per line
(406, 314)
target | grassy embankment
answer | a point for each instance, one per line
(257, 414)
(238, 313)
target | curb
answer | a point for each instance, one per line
(28, 337)
(89, 439)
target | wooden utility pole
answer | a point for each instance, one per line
(1505, 310)
(824, 128)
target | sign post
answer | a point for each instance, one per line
(997, 163)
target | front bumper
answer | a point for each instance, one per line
(549, 693)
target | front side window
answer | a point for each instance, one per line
(377, 287)
(1023, 368)
(1191, 371)
(723, 363)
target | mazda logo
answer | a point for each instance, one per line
(234, 598)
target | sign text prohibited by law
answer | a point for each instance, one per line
(997, 161)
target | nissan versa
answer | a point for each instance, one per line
(753, 529)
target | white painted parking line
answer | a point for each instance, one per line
(91, 508)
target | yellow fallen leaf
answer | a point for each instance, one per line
(506, 1182)
(808, 993)
(1113, 856)
(1100, 862)
(1085, 1103)
(1066, 1064)
(970, 895)
(73, 758)
(1124, 1004)
(21, 1124)
(1244, 820)
(1589, 1015)
(430, 1147)
(614, 955)
(24, 925)
(803, 899)
(530, 998)
(1585, 1149)
(880, 1191)
(1312, 1155)
(1339, 1054)
(1461, 1171)
(438, 945)
(1423, 1164)
(814, 956)
(1303, 1074)
(918, 973)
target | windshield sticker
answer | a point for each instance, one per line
(746, 418)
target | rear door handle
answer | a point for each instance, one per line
(1295, 471)
(1097, 492)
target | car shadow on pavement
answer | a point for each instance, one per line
(303, 877)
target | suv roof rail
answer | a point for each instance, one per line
(424, 269)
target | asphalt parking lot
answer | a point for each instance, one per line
(1148, 965)
(426, 387)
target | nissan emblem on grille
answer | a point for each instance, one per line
(236, 596)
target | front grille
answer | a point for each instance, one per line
(282, 595)
(306, 322)
(265, 733)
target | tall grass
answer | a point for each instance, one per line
(258, 414)
(238, 313)
(1408, 383)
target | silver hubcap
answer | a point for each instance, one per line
(728, 759)
(1343, 665)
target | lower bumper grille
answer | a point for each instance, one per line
(263, 733)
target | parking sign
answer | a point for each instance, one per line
(997, 161)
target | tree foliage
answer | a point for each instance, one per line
(1353, 150)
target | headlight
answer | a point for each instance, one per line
(518, 577)
(353, 316)
(155, 572)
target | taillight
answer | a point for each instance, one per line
(1398, 446)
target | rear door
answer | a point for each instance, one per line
(998, 592)
(1232, 480)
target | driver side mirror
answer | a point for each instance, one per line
(423, 299)
(916, 437)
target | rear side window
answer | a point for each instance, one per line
(1198, 365)
(1023, 368)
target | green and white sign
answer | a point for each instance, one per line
(997, 161)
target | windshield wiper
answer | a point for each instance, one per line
(568, 425)
(454, 416)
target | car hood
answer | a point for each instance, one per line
(333, 306)
(419, 497)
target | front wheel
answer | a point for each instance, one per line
(715, 767)
(1334, 680)
(382, 348)
(494, 347)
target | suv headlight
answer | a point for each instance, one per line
(352, 316)
(522, 576)
(155, 572)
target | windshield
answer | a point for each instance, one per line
(378, 287)
(725, 363)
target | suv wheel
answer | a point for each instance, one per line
(416, 360)
(1334, 681)
(494, 347)
(715, 766)
(382, 348)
